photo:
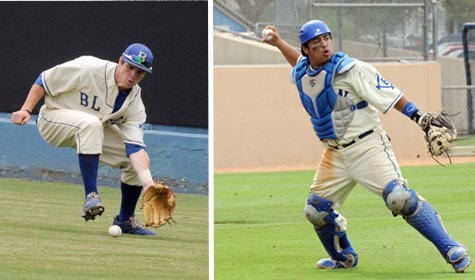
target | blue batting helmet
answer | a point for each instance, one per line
(312, 29)
(140, 56)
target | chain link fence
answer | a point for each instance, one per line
(377, 31)
(370, 30)
(458, 99)
(458, 102)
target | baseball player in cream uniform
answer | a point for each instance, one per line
(95, 107)
(343, 97)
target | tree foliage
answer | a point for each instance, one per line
(458, 12)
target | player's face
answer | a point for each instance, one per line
(319, 50)
(127, 76)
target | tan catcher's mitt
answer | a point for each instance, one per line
(158, 205)
(440, 132)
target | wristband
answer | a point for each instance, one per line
(26, 110)
(409, 110)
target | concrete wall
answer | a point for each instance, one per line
(178, 155)
(260, 123)
(230, 49)
(233, 50)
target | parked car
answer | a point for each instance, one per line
(457, 50)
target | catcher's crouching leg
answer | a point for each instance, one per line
(330, 227)
(420, 215)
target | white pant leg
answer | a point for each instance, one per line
(85, 133)
(114, 155)
(373, 163)
(71, 128)
(332, 180)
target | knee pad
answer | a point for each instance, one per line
(399, 199)
(318, 212)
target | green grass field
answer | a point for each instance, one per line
(465, 141)
(261, 233)
(43, 236)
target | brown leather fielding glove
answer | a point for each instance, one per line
(158, 205)
(439, 131)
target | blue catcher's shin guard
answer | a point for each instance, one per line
(421, 216)
(428, 223)
(330, 227)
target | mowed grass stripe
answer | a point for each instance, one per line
(261, 233)
(43, 236)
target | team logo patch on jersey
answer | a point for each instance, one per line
(383, 83)
(312, 82)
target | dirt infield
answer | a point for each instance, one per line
(416, 162)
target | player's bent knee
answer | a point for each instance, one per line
(315, 217)
(92, 123)
(318, 212)
(399, 199)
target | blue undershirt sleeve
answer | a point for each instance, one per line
(39, 81)
(132, 148)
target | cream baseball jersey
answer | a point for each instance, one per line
(88, 84)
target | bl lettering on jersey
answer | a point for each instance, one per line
(85, 101)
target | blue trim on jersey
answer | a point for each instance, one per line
(132, 148)
(389, 157)
(393, 103)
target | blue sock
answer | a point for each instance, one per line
(130, 197)
(89, 165)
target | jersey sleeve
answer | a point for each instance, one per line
(64, 77)
(132, 126)
(373, 87)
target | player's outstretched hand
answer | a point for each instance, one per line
(20, 117)
(270, 35)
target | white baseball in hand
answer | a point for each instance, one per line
(266, 34)
(115, 231)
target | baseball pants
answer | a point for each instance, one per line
(85, 133)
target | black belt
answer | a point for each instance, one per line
(361, 136)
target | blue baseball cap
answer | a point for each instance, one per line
(312, 29)
(140, 56)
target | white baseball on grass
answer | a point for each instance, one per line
(266, 34)
(115, 231)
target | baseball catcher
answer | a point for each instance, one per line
(158, 205)
(343, 97)
(439, 131)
